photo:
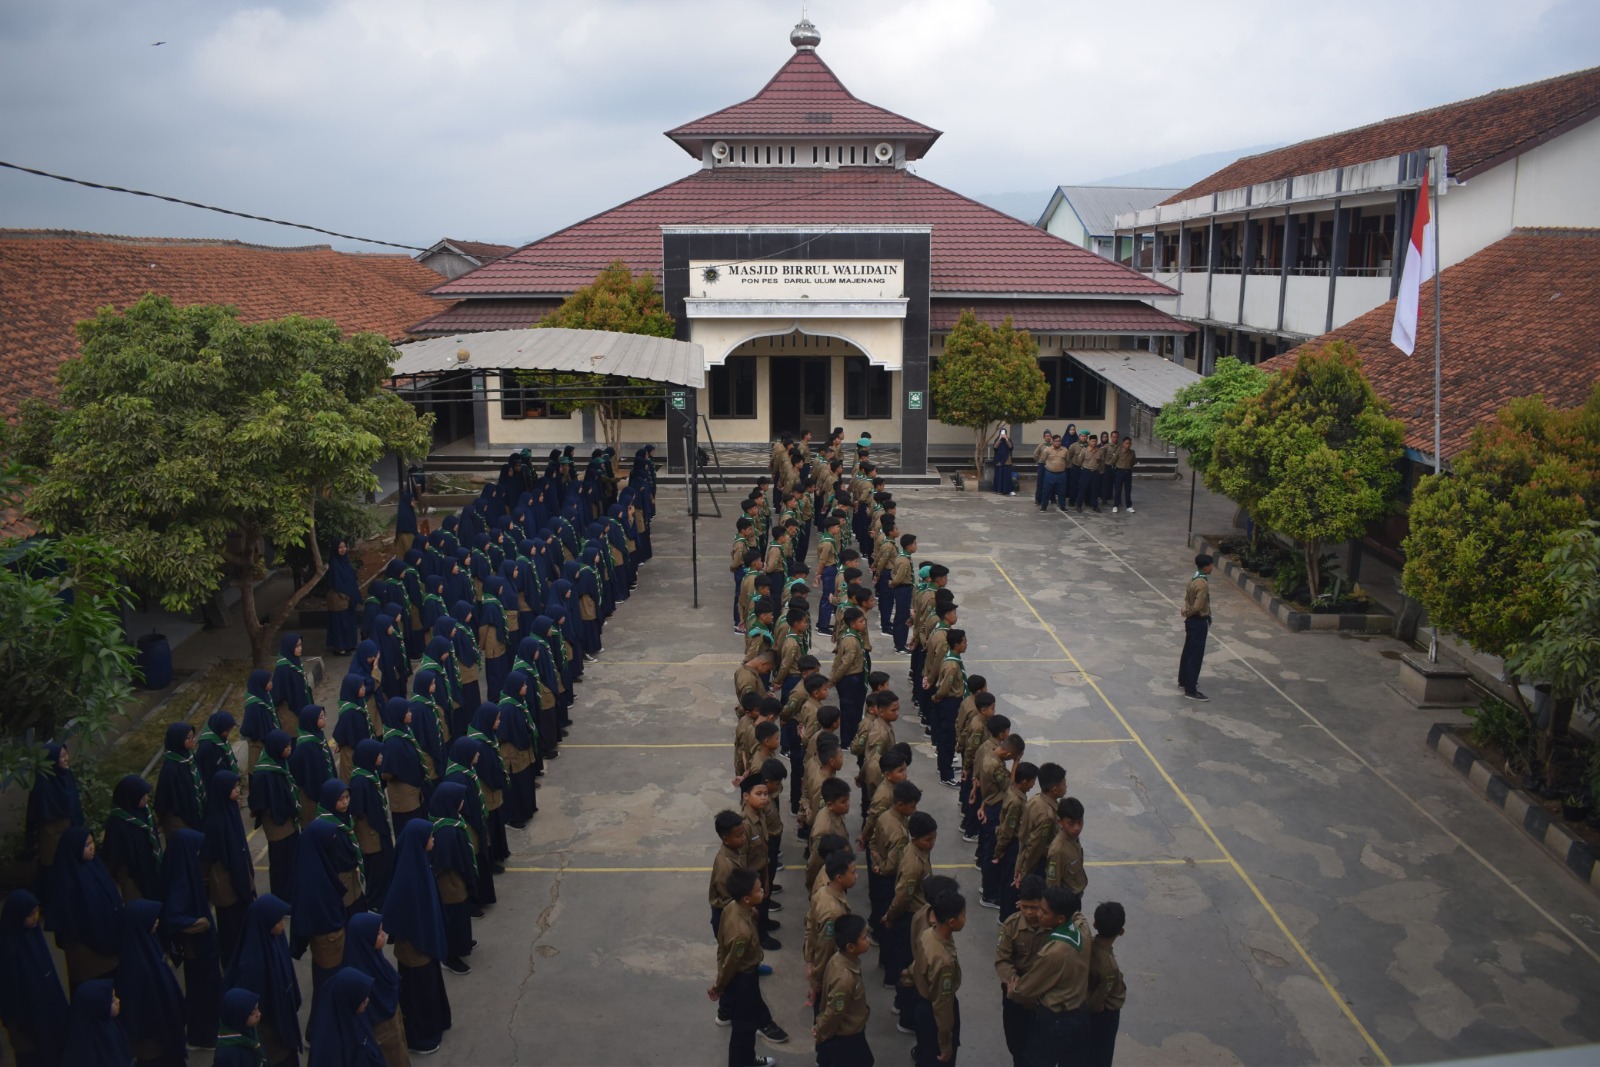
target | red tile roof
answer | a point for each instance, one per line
(482, 251)
(1520, 317)
(805, 99)
(473, 315)
(1072, 316)
(49, 280)
(975, 248)
(1480, 133)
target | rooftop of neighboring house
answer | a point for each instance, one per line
(1097, 206)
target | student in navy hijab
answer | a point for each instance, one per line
(264, 967)
(456, 868)
(132, 846)
(85, 908)
(341, 1034)
(492, 776)
(496, 641)
(94, 1038)
(291, 688)
(275, 803)
(344, 598)
(353, 726)
(363, 950)
(364, 665)
(405, 763)
(238, 1036)
(53, 805)
(428, 721)
(230, 875)
(152, 1003)
(519, 741)
(312, 760)
(214, 748)
(189, 926)
(319, 914)
(33, 1008)
(463, 770)
(333, 808)
(414, 918)
(369, 817)
(393, 663)
(180, 793)
(260, 714)
(467, 662)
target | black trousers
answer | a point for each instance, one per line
(852, 694)
(1102, 1042)
(901, 626)
(845, 1050)
(926, 1054)
(1058, 1038)
(942, 721)
(743, 1004)
(1122, 489)
(1195, 629)
(1017, 1022)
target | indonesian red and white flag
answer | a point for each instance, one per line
(1419, 265)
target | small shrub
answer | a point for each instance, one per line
(1498, 725)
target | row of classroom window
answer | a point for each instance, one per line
(1075, 393)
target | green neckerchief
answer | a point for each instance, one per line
(472, 640)
(322, 746)
(272, 711)
(866, 657)
(1068, 932)
(460, 824)
(949, 656)
(416, 746)
(270, 764)
(227, 1038)
(483, 801)
(437, 712)
(741, 540)
(228, 761)
(1202, 576)
(436, 598)
(491, 748)
(359, 709)
(901, 550)
(348, 826)
(430, 664)
(377, 784)
(520, 706)
(923, 587)
(299, 668)
(754, 628)
(194, 775)
(144, 822)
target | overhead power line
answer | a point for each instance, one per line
(207, 207)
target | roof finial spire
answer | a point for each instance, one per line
(804, 36)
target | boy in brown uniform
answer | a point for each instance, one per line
(829, 904)
(1122, 476)
(737, 986)
(948, 692)
(730, 830)
(830, 820)
(937, 978)
(840, 1031)
(902, 579)
(994, 778)
(1006, 840)
(916, 864)
(1196, 624)
(894, 766)
(1063, 865)
(970, 735)
(852, 662)
(742, 542)
(876, 738)
(1039, 821)
(1057, 982)
(755, 854)
(888, 845)
(1107, 990)
(744, 731)
(1020, 939)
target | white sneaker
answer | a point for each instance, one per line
(1130, 511)
(1113, 511)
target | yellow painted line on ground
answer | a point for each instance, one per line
(1582, 946)
(1205, 826)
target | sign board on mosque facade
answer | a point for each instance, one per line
(790, 279)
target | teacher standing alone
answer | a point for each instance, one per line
(1196, 624)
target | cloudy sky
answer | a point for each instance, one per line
(501, 120)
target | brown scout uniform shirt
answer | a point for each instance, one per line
(882, 800)
(901, 572)
(937, 978)
(915, 866)
(1125, 458)
(1063, 865)
(828, 906)
(847, 658)
(994, 777)
(755, 841)
(844, 999)
(738, 944)
(888, 842)
(1197, 598)
(727, 859)
(745, 680)
(1011, 806)
(825, 822)
(1058, 980)
(1038, 827)
(744, 740)
(1107, 990)
(1018, 944)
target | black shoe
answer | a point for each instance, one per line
(457, 965)
(771, 944)
(774, 1033)
(776, 888)
(477, 913)
(424, 1051)
(772, 906)
(1195, 694)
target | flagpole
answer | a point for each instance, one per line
(1436, 171)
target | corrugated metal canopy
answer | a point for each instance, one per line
(631, 355)
(1148, 378)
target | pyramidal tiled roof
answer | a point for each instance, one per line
(975, 249)
(805, 99)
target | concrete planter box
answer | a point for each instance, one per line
(1432, 685)
(1522, 809)
(1377, 621)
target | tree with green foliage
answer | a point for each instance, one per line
(1315, 455)
(987, 376)
(1478, 555)
(197, 446)
(616, 302)
(1199, 409)
(63, 656)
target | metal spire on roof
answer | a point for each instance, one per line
(804, 36)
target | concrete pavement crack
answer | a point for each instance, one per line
(542, 927)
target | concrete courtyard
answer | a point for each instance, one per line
(1304, 882)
